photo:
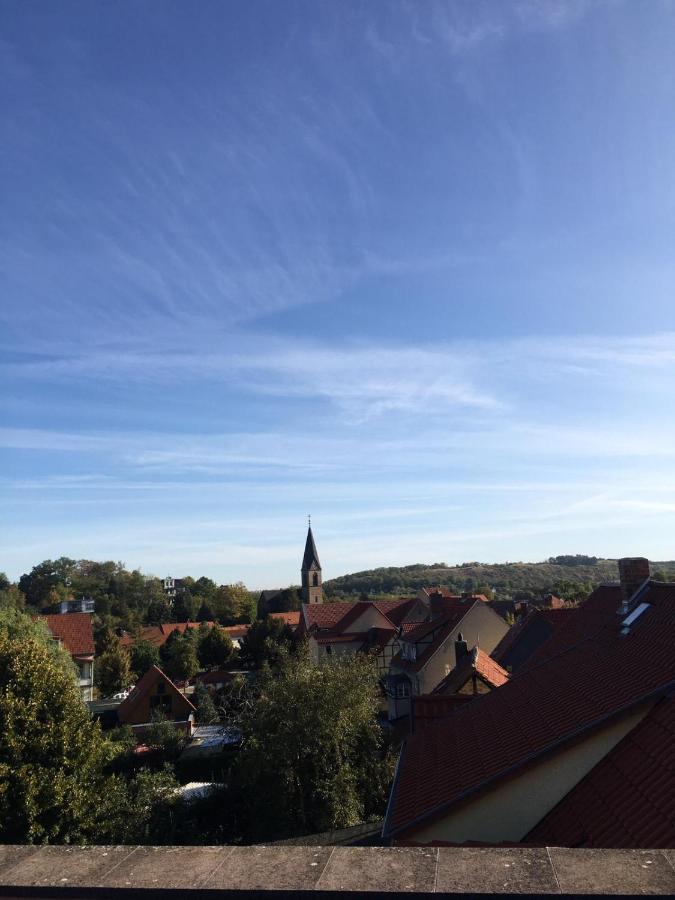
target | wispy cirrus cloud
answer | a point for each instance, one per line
(368, 380)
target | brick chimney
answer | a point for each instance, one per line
(461, 648)
(633, 572)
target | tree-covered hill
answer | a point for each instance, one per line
(571, 577)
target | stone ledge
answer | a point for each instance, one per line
(149, 872)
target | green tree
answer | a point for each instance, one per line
(53, 782)
(158, 611)
(231, 603)
(204, 588)
(112, 672)
(104, 635)
(164, 737)
(205, 612)
(51, 753)
(313, 757)
(47, 576)
(145, 809)
(207, 714)
(267, 640)
(144, 656)
(214, 648)
(10, 595)
(181, 660)
(184, 607)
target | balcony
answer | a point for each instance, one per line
(283, 871)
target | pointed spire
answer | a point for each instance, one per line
(311, 557)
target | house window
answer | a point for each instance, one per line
(403, 690)
(315, 579)
(161, 702)
(329, 649)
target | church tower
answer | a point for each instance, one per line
(312, 591)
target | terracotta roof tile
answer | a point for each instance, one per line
(74, 631)
(474, 661)
(396, 610)
(584, 621)
(159, 634)
(628, 799)
(338, 616)
(537, 710)
(292, 619)
(427, 709)
(527, 635)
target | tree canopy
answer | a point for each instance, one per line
(313, 757)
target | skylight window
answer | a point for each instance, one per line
(637, 612)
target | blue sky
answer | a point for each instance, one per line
(405, 266)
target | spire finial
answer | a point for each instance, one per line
(309, 520)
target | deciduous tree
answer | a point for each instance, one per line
(144, 655)
(112, 672)
(214, 648)
(313, 757)
(267, 640)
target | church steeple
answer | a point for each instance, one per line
(312, 591)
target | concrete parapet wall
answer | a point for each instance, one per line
(154, 872)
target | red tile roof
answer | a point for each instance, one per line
(292, 619)
(159, 634)
(537, 711)
(336, 617)
(427, 709)
(628, 799)
(474, 661)
(327, 616)
(586, 620)
(235, 631)
(396, 610)
(527, 635)
(74, 631)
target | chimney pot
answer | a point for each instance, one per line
(633, 572)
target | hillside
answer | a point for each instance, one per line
(569, 576)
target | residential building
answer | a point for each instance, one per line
(84, 605)
(427, 651)
(475, 673)
(574, 749)
(345, 628)
(75, 633)
(155, 694)
(172, 586)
